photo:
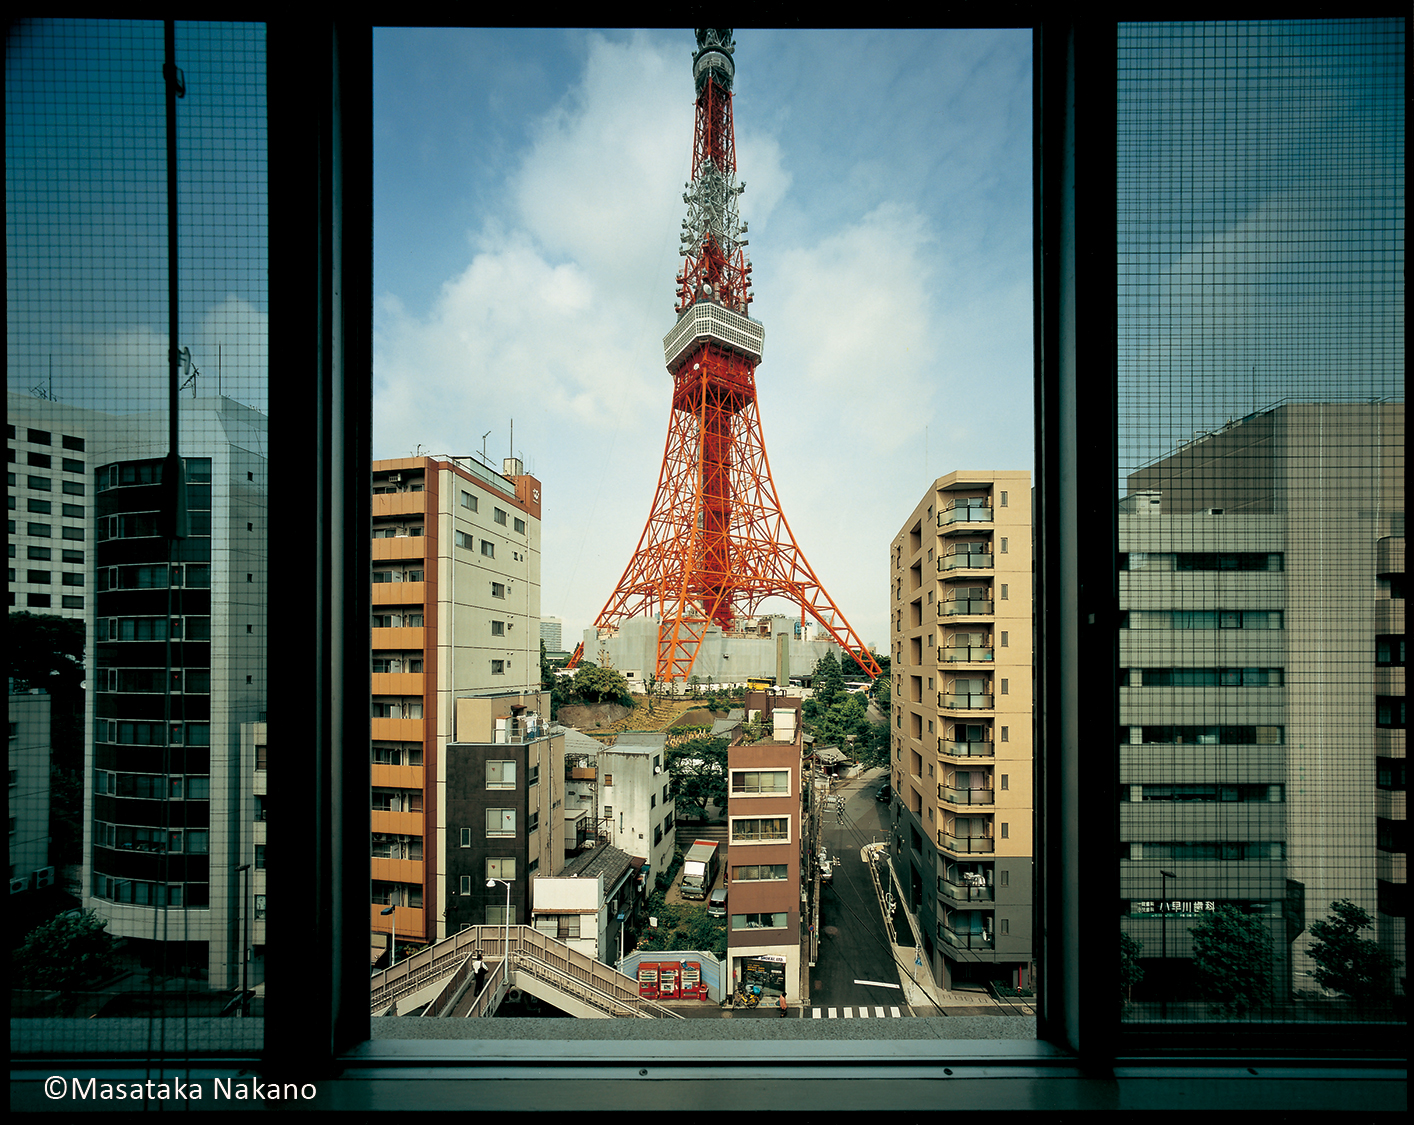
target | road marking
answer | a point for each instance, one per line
(895, 1013)
(878, 1011)
(878, 984)
(815, 1013)
(864, 1013)
(849, 1013)
(832, 1013)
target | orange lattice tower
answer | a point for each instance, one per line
(716, 544)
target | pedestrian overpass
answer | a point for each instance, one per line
(439, 979)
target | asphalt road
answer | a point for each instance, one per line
(854, 946)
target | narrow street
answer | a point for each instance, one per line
(855, 975)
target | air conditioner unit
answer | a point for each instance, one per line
(18, 886)
(395, 477)
(44, 877)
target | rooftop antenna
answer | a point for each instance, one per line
(38, 391)
(484, 457)
(185, 363)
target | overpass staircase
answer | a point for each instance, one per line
(439, 980)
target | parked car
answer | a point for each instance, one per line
(717, 904)
(885, 793)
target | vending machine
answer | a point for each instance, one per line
(648, 980)
(693, 987)
(669, 974)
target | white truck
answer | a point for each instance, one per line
(699, 869)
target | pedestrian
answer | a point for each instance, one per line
(478, 969)
(784, 1011)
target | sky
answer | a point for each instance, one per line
(528, 199)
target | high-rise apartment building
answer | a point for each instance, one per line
(456, 611)
(1262, 683)
(960, 597)
(552, 633)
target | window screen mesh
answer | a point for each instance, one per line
(153, 806)
(1261, 452)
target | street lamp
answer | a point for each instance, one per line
(1165, 876)
(244, 871)
(393, 948)
(506, 959)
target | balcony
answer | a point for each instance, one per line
(966, 845)
(968, 654)
(512, 731)
(952, 516)
(398, 683)
(396, 730)
(974, 561)
(955, 796)
(401, 823)
(385, 776)
(965, 702)
(965, 939)
(403, 637)
(966, 892)
(399, 593)
(409, 920)
(402, 547)
(964, 608)
(398, 503)
(967, 749)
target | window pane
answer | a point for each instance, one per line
(87, 260)
(1261, 451)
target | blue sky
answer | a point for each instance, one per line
(528, 199)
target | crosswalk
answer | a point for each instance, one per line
(863, 1012)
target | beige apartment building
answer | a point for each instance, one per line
(456, 614)
(960, 581)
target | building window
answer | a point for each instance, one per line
(1005, 594)
(520, 525)
(1006, 830)
(500, 822)
(1006, 686)
(533, 821)
(504, 868)
(760, 921)
(499, 516)
(759, 830)
(1389, 711)
(760, 873)
(1003, 504)
(563, 927)
(465, 887)
(468, 501)
(498, 667)
(1004, 538)
(498, 628)
(1389, 650)
(488, 548)
(466, 838)
(498, 589)
(500, 775)
(760, 782)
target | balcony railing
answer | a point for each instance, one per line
(966, 892)
(965, 845)
(965, 702)
(964, 515)
(964, 607)
(964, 939)
(956, 796)
(519, 730)
(968, 654)
(967, 749)
(965, 562)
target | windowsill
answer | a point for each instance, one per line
(526, 1065)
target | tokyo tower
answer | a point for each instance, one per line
(716, 544)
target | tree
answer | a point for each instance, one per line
(827, 680)
(1232, 953)
(547, 670)
(596, 684)
(67, 953)
(698, 769)
(46, 651)
(1130, 972)
(883, 692)
(846, 717)
(1347, 963)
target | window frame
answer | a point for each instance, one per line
(318, 1025)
